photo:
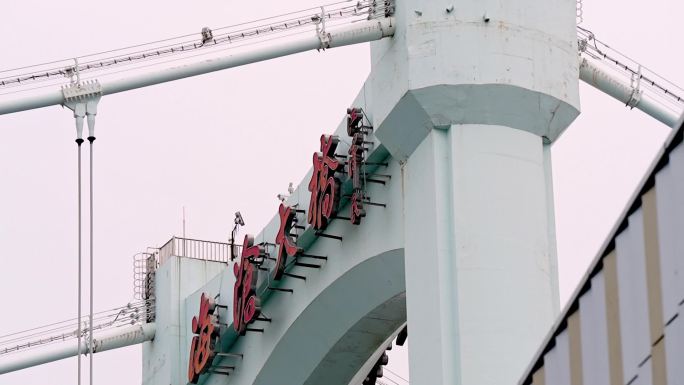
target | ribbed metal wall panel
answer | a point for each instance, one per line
(627, 316)
(677, 164)
(674, 350)
(557, 362)
(631, 268)
(670, 193)
(539, 377)
(595, 362)
(644, 375)
(669, 227)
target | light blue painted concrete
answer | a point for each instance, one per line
(165, 358)
(466, 101)
(463, 111)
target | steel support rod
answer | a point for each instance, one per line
(598, 78)
(111, 339)
(355, 33)
(91, 139)
(79, 141)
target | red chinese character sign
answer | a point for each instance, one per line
(202, 347)
(354, 119)
(286, 245)
(324, 185)
(246, 303)
(355, 161)
(325, 190)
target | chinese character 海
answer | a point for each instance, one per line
(202, 347)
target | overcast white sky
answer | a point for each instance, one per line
(196, 142)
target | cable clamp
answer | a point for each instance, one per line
(72, 72)
(75, 93)
(207, 35)
(371, 9)
(635, 83)
(82, 99)
(323, 36)
(389, 8)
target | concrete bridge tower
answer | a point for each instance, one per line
(473, 94)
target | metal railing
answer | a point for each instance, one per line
(196, 249)
(145, 264)
(144, 268)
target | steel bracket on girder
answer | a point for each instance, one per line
(82, 99)
(320, 31)
(582, 45)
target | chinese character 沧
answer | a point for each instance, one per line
(246, 303)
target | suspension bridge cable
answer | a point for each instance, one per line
(256, 30)
(91, 139)
(589, 45)
(348, 10)
(592, 36)
(389, 379)
(395, 373)
(174, 38)
(110, 321)
(69, 328)
(120, 311)
(72, 332)
(79, 141)
(61, 338)
(347, 13)
(217, 50)
(138, 304)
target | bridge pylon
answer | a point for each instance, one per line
(473, 94)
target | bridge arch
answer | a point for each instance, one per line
(347, 322)
(333, 322)
(327, 336)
